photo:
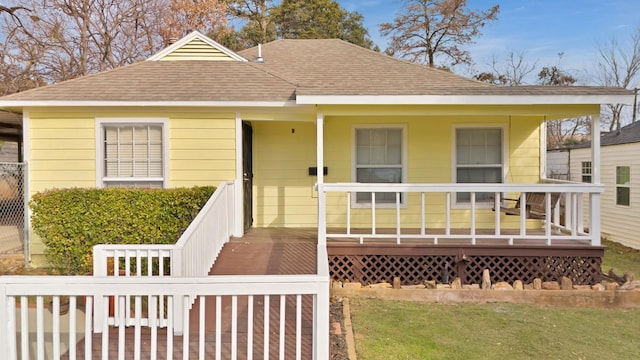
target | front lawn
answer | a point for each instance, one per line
(408, 330)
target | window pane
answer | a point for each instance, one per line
(378, 175)
(479, 175)
(394, 155)
(378, 137)
(363, 156)
(363, 137)
(623, 196)
(394, 137)
(378, 155)
(623, 175)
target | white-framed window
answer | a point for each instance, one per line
(379, 156)
(479, 156)
(131, 152)
(623, 185)
(586, 171)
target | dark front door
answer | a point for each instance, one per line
(247, 173)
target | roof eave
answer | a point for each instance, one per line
(157, 103)
(462, 99)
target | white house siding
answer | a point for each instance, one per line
(619, 223)
(558, 164)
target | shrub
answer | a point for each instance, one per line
(71, 221)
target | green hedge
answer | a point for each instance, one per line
(71, 221)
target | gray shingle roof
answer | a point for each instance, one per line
(626, 135)
(169, 81)
(291, 67)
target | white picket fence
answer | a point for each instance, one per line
(23, 300)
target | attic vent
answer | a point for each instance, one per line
(259, 59)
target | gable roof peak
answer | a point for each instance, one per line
(194, 36)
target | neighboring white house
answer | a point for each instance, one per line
(620, 173)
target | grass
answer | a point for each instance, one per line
(620, 258)
(408, 330)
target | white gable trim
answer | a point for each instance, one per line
(463, 99)
(185, 40)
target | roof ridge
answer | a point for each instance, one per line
(411, 63)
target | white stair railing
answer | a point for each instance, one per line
(192, 255)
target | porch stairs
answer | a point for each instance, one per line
(260, 252)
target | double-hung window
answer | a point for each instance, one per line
(623, 185)
(479, 158)
(379, 158)
(131, 153)
(586, 171)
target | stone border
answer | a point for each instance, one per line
(610, 299)
(348, 329)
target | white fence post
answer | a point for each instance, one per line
(99, 269)
(177, 271)
(4, 321)
(594, 219)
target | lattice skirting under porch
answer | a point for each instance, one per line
(369, 264)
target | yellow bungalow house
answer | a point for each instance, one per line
(396, 169)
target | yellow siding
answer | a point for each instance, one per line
(283, 190)
(197, 49)
(63, 147)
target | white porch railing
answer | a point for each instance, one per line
(26, 333)
(417, 203)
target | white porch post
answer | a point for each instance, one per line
(322, 210)
(594, 200)
(238, 192)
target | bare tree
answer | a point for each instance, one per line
(64, 39)
(619, 66)
(425, 29)
(510, 72)
(184, 16)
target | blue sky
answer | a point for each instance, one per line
(539, 28)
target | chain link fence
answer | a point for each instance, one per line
(12, 207)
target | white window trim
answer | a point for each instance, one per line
(101, 121)
(505, 159)
(404, 127)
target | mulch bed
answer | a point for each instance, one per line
(337, 339)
